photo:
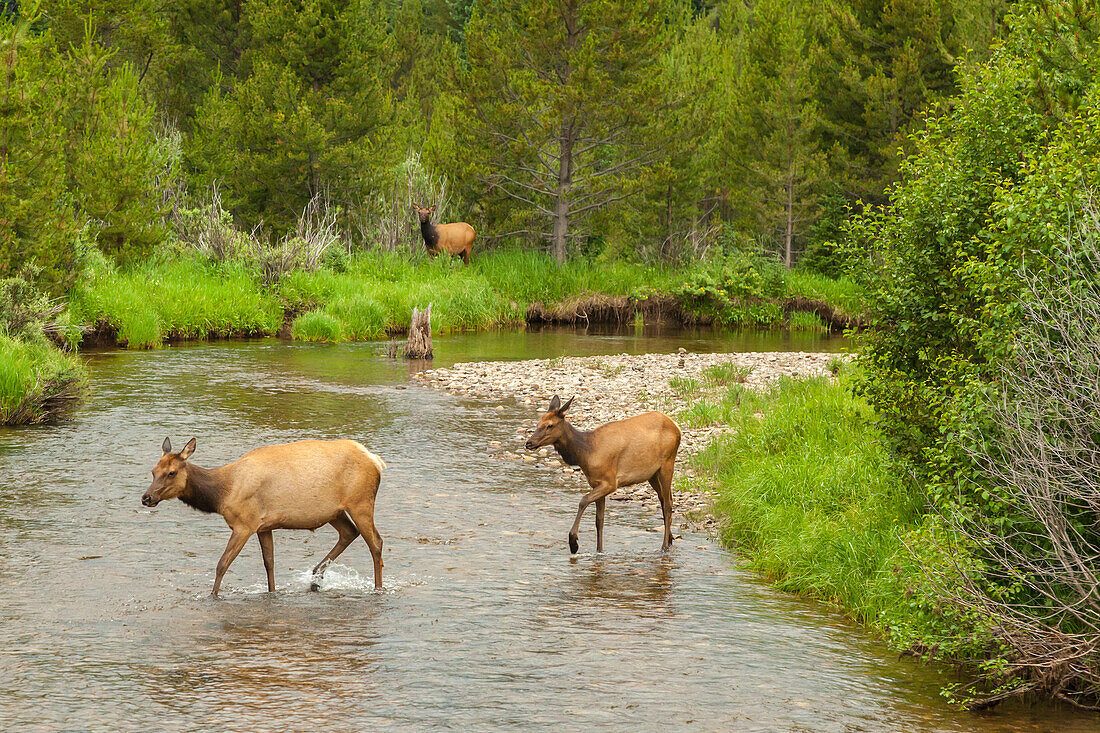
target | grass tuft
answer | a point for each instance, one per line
(317, 326)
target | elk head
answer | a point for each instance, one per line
(425, 215)
(551, 425)
(169, 475)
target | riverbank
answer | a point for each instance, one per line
(371, 295)
(181, 295)
(38, 382)
(610, 388)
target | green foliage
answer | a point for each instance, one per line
(807, 490)
(308, 115)
(38, 226)
(986, 191)
(37, 382)
(116, 168)
(317, 327)
(733, 289)
(181, 299)
(558, 94)
(807, 322)
(990, 195)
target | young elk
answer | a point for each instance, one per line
(454, 239)
(620, 453)
(291, 486)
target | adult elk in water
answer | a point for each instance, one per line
(620, 453)
(299, 485)
(455, 239)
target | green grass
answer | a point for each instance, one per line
(686, 386)
(726, 373)
(179, 299)
(317, 326)
(842, 293)
(37, 381)
(371, 295)
(808, 492)
(807, 323)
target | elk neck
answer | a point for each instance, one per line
(573, 445)
(431, 236)
(205, 489)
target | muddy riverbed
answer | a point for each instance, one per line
(485, 622)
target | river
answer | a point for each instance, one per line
(485, 621)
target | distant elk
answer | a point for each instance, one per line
(454, 239)
(620, 453)
(299, 485)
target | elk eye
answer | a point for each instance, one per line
(171, 473)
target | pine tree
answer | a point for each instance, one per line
(38, 224)
(308, 116)
(558, 94)
(775, 129)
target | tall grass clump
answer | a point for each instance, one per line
(807, 323)
(180, 299)
(317, 326)
(809, 493)
(38, 382)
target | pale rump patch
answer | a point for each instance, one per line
(378, 462)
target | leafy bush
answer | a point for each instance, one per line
(984, 209)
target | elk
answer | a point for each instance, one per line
(620, 453)
(454, 239)
(299, 485)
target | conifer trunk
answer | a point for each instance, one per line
(560, 234)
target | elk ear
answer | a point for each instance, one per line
(431, 209)
(566, 405)
(187, 450)
(555, 403)
(166, 446)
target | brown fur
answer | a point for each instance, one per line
(299, 485)
(454, 239)
(620, 453)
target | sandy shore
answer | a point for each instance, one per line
(614, 387)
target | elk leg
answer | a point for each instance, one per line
(466, 256)
(348, 533)
(662, 482)
(599, 522)
(364, 521)
(236, 544)
(267, 548)
(600, 491)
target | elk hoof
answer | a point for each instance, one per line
(573, 544)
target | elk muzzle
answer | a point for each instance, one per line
(147, 499)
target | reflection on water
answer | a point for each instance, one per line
(485, 621)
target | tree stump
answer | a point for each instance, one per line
(419, 345)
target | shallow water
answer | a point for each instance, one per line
(485, 620)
